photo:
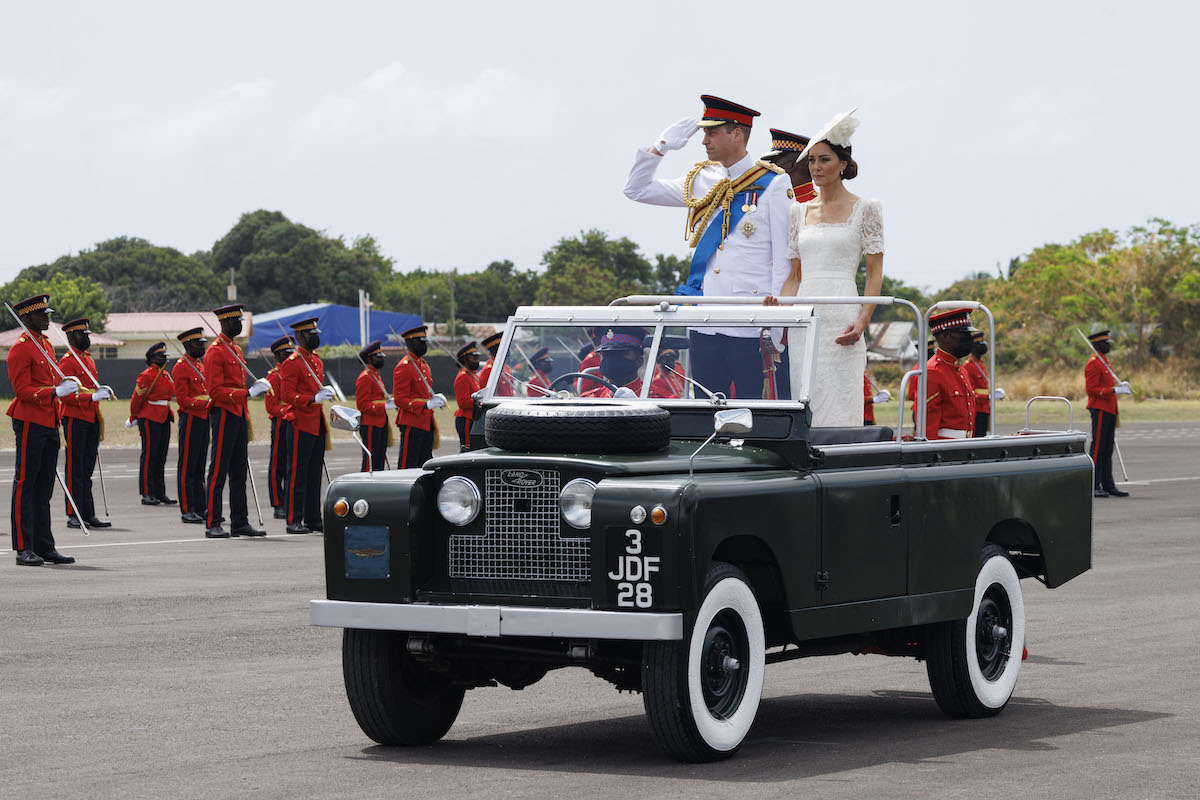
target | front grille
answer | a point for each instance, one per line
(521, 538)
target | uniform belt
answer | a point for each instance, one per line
(159, 402)
(951, 433)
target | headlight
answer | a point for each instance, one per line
(576, 502)
(360, 508)
(458, 501)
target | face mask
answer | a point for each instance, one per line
(545, 364)
(232, 328)
(963, 348)
(617, 368)
(979, 349)
(1103, 347)
(376, 361)
(418, 347)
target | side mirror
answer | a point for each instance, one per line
(733, 420)
(345, 419)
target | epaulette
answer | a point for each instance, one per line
(293, 355)
(20, 340)
(770, 166)
(405, 360)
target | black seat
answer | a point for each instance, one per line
(865, 434)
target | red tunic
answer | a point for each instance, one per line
(673, 383)
(370, 398)
(659, 389)
(190, 391)
(297, 389)
(868, 406)
(79, 406)
(1100, 384)
(978, 377)
(33, 381)
(272, 400)
(465, 385)
(410, 393)
(224, 376)
(541, 379)
(505, 387)
(152, 395)
(950, 403)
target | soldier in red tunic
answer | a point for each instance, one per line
(150, 408)
(785, 154)
(35, 415)
(949, 401)
(668, 372)
(229, 420)
(412, 390)
(1102, 391)
(466, 384)
(194, 407)
(304, 390)
(977, 374)
(542, 365)
(621, 357)
(280, 414)
(82, 424)
(373, 404)
(505, 387)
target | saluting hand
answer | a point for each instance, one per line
(676, 137)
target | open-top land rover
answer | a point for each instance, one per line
(677, 545)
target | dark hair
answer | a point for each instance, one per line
(843, 154)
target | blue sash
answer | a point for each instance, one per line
(711, 239)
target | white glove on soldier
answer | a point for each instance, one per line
(1123, 388)
(676, 137)
(883, 396)
(129, 423)
(68, 386)
(437, 401)
(390, 405)
(624, 393)
(1000, 395)
(103, 393)
(325, 393)
(259, 387)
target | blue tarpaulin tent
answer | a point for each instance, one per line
(338, 324)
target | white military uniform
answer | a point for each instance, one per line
(749, 265)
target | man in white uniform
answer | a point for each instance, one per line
(738, 224)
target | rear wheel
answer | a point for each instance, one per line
(701, 693)
(396, 699)
(973, 663)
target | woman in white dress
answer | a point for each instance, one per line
(827, 238)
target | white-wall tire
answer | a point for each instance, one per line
(699, 708)
(973, 663)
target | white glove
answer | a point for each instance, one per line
(259, 387)
(390, 405)
(129, 423)
(68, 386)
(437, 401)
(676, 137)
(624, 393)
(999, 395)
(883, 396)
(103, 393)
(1123, 388)
(323, 394)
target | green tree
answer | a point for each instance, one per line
(584, 283)
(618, 257)
(669, 273)
(139, 276)
(70, 297)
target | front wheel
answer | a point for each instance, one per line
(701, 693)
(396, 699)
(973, 663)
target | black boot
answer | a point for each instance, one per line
(28, 558)
(96, 522)
(55, 557)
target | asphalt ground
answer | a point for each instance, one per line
(163, 664)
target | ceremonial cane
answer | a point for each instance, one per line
(1116, 447)
(103, 493)
(67, 492)
(254, 490)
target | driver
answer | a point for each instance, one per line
(621, 357)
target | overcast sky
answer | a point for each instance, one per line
(458, 133)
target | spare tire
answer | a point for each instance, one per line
(577, 427)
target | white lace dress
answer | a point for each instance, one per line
(829, 253)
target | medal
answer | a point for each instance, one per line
(745, 207)
(748, 227)
(754, 202)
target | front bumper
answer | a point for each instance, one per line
(566, 623)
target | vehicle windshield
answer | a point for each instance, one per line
(654, 362)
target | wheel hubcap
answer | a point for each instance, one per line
(993, 640)
(726, 648)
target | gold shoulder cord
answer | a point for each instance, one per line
(701, 211)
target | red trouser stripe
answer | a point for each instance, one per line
(275, 466)
(1096, 438)
(404, 446)
(216, 467)
(186, 427)
(292, 477)
(20, 526)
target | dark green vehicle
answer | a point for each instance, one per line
(676, 546)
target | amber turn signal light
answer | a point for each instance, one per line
(341, 507)
(659, 515)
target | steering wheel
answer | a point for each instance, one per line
(590, 376)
